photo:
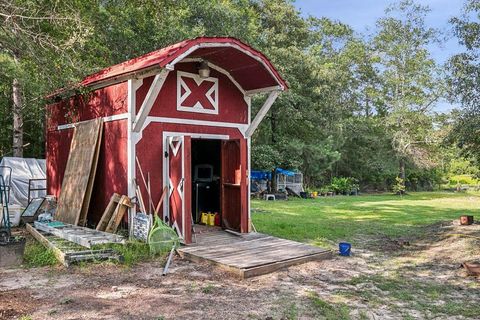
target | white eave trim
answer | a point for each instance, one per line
(171, 65)
(217, 68)
(263, 90)
(120, 116)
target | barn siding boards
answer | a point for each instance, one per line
(112, 165)
(80, 173)
(105, 102)
(111, 176)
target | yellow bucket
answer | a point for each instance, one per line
(204, 218)
(211, 219)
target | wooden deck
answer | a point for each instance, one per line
(249, 255)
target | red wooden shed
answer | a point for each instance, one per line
(184, 111)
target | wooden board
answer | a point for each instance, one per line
(118, 214)
(107, 214)
(251, 254)
(82, 220)
(80, 171)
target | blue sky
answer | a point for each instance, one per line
(362, 14)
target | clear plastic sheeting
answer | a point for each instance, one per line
(23, 169)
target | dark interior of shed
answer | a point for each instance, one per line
(206, 173)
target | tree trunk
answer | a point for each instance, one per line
(273, 182)
(273, 127)
(367, 105)
(17, 113)
(402, 170)
(17, 118)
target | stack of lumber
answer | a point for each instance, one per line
(113, 214)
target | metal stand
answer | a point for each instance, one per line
(5, 230)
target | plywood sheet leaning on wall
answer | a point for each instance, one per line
(80, 171)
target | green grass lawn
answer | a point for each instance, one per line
(327, 220)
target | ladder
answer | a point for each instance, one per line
(80, 235)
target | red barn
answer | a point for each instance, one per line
(184, 111)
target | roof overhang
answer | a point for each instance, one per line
(248, 67)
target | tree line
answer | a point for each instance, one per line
(359, 105)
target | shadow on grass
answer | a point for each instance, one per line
(321, 222)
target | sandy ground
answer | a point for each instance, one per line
(369, 284)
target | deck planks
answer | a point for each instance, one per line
(251, 254)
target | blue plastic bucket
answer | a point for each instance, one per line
(344, 248)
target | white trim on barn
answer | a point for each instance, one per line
(150, 98)
(165, 168)
(198, 107)
(120, 116)
(263, 90)
(242, 127)
(216, 68)
(171, 65)
(261, 113)
(133, 85)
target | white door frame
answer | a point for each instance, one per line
(166, 165)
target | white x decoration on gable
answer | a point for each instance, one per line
(195, 94)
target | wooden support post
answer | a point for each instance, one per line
(152, 95)
(261, 113)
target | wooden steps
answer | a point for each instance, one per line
(251, 254)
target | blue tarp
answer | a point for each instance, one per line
(266, 175)
(260, 175)
(285, 172)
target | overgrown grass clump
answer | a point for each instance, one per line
(329, 311)
(133, 252)
(36, 255)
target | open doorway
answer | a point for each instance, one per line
(206, 177)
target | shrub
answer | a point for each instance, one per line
(399, 186)
(343, 185)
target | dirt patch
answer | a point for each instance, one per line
(417, 281)
(17, 303)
